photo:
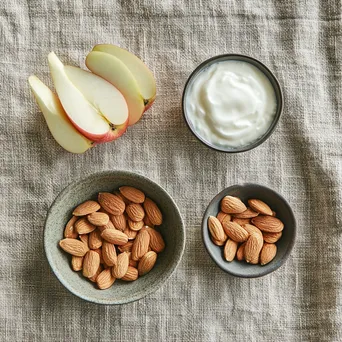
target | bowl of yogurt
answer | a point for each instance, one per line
(232, 103)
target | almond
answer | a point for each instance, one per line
(147, 262)
(99, 270)
(140, 244)
(105, 279)
(70, 231)
(109, 225)
(249, 213)
(99, 252)
(131, 274)
(85, 239)
(76, 263)
(274, 214)
(215, 229)
(86, 208)
(83, 226)
(109, 253)
(268, 252)
(157, 243)
(73, 247)
(135, 212)
(133, 263)
(148, 222)
(111, 203)
(235, 231)
(98, 219)
(240, 254)
(132, 194)
(272, 237)
(252, 230)
(119, 221)
(267, 224)
(114, 236)
(91, 264)
(125, 200)
(222, 216)
(131, 234)
(218, 242)
(127, 247)
(230, 249)
(153, 212)
(241, 221)
(252, 248)
(135, 225)
(95, 239)
(260, 207)
(121, 266)
(232, 205)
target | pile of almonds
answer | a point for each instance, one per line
(247, 234)
(115, 237)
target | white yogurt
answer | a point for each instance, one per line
(231, 103)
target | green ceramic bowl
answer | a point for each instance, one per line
(121, 292)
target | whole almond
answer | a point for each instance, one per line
(232, 205)
(109, 225)
(157, 243)
(99, 270)
(274, 214)
(111, 203)
(252, 230)
(215, 229)
(131, 234)
(147, 262)
(140, 244)
(268, 252)
(70, 230)
(153, 212)
(119, 194)
(73, 247)
(105, 279)
(121, 266)
(218, 242)
(241, 221)
(83, 226)
(133, 263)
(135, 225)
(85, 239)
(267, 224)
(131, 274)
(252, 248)
(272, 237)
(114, 236)
(109, 253)
(127, 247)
(95, 239)
(240, 254)
(230, 249)
(148, 222)
(235, 231)
(76, 263)
(98, 219)
(99, 252)
(135, 212)
(91, 263)
(260, 207)
(223, 216)
(119, 221)
(86, 208)
(132, 194)
(249, 213)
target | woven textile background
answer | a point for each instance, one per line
(301, 41)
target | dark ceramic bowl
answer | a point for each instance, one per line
(260, 66)
(121, 292)
(284, 244)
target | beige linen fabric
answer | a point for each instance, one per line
(301, 42)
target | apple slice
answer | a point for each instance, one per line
(141, 73)
(95, 107)
(116, 72)
(59, 125)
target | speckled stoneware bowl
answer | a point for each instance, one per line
(121, 292)
(284, 245)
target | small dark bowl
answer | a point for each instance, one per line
(284, 244)
(269, 75)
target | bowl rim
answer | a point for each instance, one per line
(271, 268)
(152, 288)
(256, 63)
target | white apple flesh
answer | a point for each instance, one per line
(95, 107)
(59, 125)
